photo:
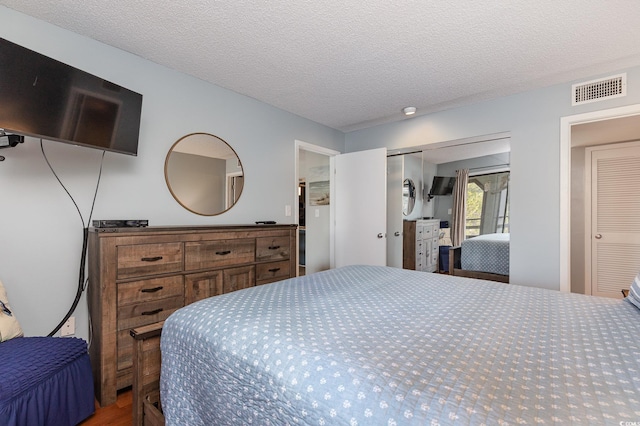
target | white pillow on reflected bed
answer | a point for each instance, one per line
(445, 237)
(9, 325)
(634, 292)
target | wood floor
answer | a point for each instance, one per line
(118, 414)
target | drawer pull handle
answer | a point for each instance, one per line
(151, 290)
(223, 253)
(151, 259)
(274, 269)
(155, 311)
(274, 247)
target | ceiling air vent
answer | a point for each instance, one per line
(599, 90)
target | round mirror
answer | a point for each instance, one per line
(204, 174)
(408, 196)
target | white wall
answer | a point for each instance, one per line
(533, 120)
(578, 170)
(40, 230)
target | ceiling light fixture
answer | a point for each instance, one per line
(409, 110)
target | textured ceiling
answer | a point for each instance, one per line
(351, 64)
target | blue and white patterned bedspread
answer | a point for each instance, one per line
(486, 253)
(366, 345)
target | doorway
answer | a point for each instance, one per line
(340, 200)
(312, 165)
(235, 184)
(576, 132)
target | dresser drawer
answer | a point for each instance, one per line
(273, 248)
(131, 316)
(238, 278)
(149, 290)
(202, 285)
(270, 272)
(214, 254)
(139, 260)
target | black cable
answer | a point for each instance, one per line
(85, 238)
(61, 184)
(83, 259)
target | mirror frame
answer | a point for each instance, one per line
(411, 196)
(167, 180)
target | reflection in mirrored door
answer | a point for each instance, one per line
(394, 211)
(204, 174)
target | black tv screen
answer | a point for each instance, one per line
(48, 99)
(442, 185)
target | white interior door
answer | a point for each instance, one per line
(359, 189)
(613, 246)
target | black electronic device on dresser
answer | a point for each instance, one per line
(120, 223)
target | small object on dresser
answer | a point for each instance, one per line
(136, 223)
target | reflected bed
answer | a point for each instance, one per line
(485, 256)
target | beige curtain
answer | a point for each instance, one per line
(459, 206)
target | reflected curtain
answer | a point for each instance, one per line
(459, 206)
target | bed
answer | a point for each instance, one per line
(380, 345)
(485, 256)
(45, 381)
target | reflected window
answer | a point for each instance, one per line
(487, 204)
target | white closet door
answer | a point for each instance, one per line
(360, 193)
(615, 219)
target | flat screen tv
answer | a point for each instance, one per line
(45, 98)
(442, 185)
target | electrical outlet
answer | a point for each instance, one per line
(69, 327)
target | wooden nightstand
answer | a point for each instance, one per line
(625, 293)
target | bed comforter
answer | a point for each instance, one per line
(486, 253)
(365, 345)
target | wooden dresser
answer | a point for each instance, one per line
(420, 244)
(139, 276)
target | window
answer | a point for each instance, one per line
(487, 204)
